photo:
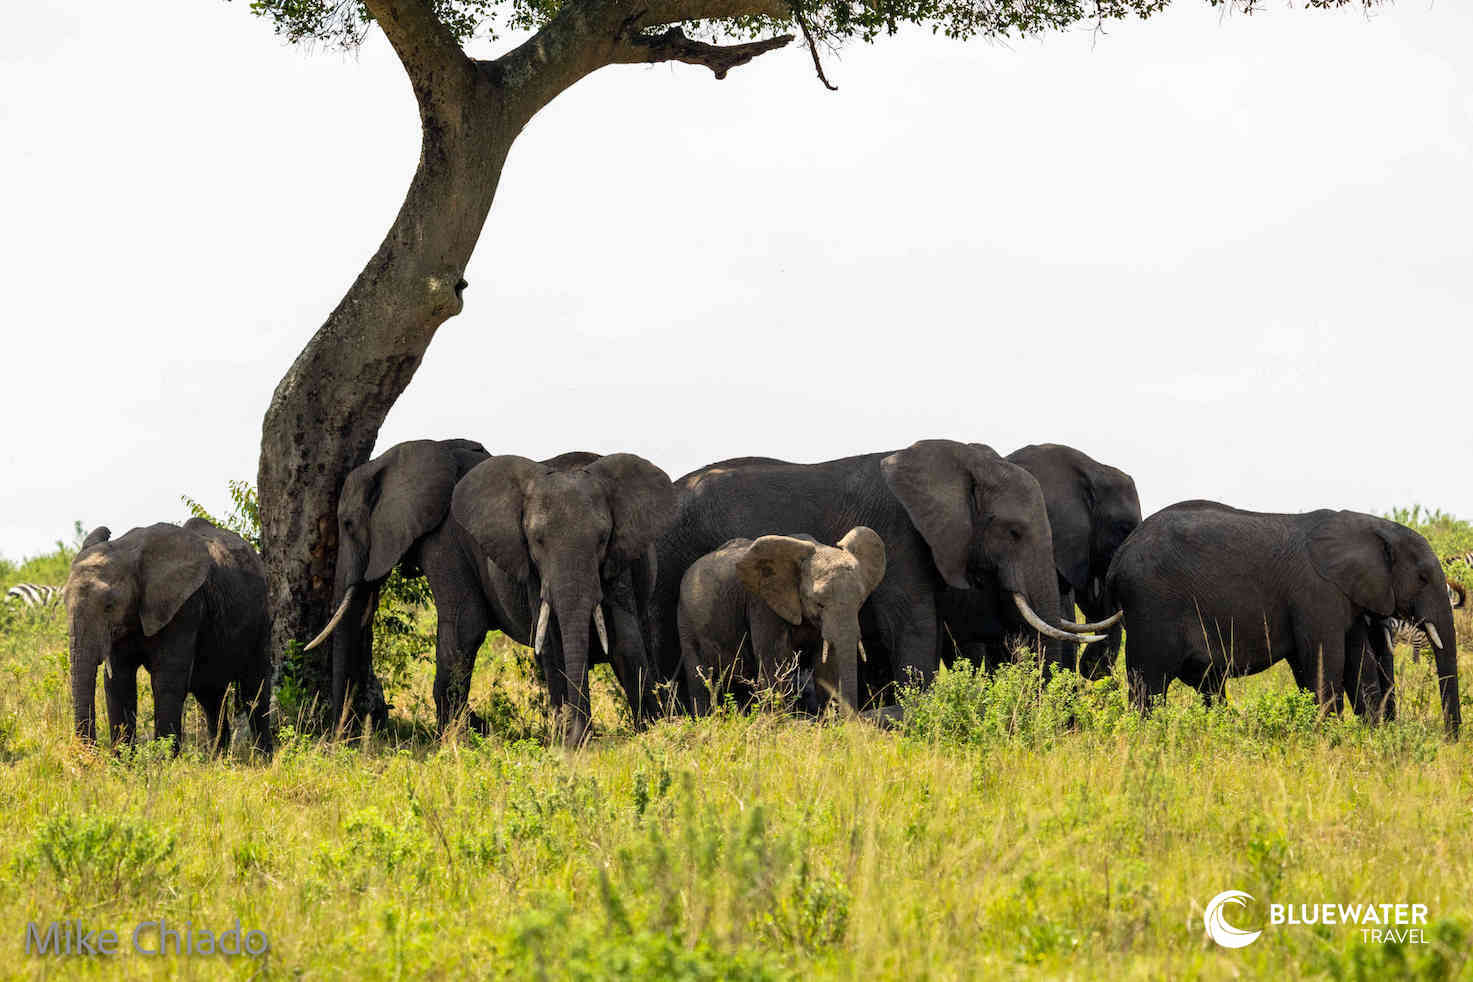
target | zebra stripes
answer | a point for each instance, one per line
(33, 594)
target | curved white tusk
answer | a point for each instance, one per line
(336, 619)
(1093, 626)
(598, 625)
(862, 656)
(1390, 644)
(824, 654)
(1043, 627)
(1432, 634)
(542, 617)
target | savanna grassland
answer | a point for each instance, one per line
(1011, 829)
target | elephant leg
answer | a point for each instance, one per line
(699, 668)
(459, 632)
(631, 663)
(1323, 668)
(909, 630)
(1147, 687)
(770, 662)
(168, 708)
(121, 691)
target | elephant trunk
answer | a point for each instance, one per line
(86, 654)
(841, 642)
(573, 609)
(349, 646)
(1446, 658)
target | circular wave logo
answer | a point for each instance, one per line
(1217, 926)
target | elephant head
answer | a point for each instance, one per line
(986, 525)
(125, 588)
(566, 531)
(1388, 570)
(805, 582)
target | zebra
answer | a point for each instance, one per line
(34, 594)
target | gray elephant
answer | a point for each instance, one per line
(579, 540)
(394, 511)
(1211, 592)
(770, 597)
(1092, 509)
(949, 514)
(186, 604)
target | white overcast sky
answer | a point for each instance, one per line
(1233, 256)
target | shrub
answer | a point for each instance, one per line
(103, 856)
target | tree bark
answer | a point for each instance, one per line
(326, 412)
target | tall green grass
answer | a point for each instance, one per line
(1011, 828)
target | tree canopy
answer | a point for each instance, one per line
(345, 23)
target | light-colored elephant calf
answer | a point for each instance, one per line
(745, 608)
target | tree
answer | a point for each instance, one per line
(326, 412)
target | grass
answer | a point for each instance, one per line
(1012, 829)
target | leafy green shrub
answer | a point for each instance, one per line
(103, 856)
(965, 705)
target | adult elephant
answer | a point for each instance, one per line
(1211, 592)
(186, 604)
(1092, 509)
(948, 514)
(577, 537)
(394, 511)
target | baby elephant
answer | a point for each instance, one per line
(747, 606)
(187, 604)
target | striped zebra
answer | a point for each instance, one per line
(1405, 632)
(33, 595)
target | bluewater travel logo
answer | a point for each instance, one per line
(1217, 926)
(1403, 923)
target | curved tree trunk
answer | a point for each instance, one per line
(326, 412)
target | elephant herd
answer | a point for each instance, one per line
(834, 581)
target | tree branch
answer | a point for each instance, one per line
(672, 45)
(429, 52)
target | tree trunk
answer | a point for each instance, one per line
(326, 412)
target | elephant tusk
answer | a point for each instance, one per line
(1431, 632)
(1093, 626)
(598, 625)
(337, 618)
(862, 656)
(542, 617)
(107, 667)
(1386, 632)
(1043, 627)
(824, 654)
(369, 609)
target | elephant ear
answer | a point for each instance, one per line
(488, 504)
(412, 499)
(866, 546)
(934, 482)
(1351, 552)
(173, 565)
(641, 498)
(96, 537)
(772, 569)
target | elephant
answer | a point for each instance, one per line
(186, 604)
(770, 597)
(1092, 508)
(947, 513)
(578, 539)
(1211, 591)
(394, 511)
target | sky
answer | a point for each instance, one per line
(1230, 255)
